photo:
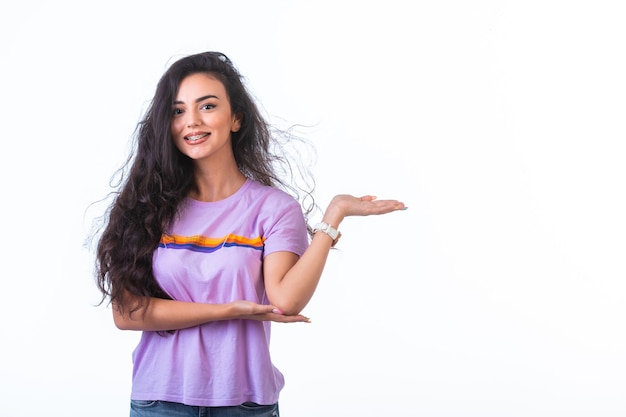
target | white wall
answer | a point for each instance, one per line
(499, 292)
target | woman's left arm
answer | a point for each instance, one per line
(290, 281)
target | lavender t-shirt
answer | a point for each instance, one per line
(213, 253)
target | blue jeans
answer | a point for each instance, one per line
(169, 409)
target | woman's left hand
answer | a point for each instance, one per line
(344, 205)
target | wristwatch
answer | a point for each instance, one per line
(329, 230)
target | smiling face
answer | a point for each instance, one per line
(202, 118)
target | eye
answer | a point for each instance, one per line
(177, 111)
(207, 106)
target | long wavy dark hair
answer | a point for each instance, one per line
(157, 177)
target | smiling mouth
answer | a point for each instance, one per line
(194, 138)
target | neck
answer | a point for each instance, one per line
(216, 184)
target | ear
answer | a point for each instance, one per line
(236, 123)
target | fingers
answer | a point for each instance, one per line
(275, 314)
(392, 205)
(292, 319)
(371, 207)
(250, 310)
(365, 205)
(281, 318)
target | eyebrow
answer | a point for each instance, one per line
(199, 99)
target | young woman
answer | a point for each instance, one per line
(203, 248)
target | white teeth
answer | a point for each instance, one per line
(196, 137)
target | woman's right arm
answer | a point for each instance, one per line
(159, 314)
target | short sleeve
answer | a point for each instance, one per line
(285, 228)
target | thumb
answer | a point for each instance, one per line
(368, 198)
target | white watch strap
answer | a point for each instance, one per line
(329, 230)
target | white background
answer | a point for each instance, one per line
(501, 124)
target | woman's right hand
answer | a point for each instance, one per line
(252, 311)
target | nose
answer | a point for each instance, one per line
(192, 119)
